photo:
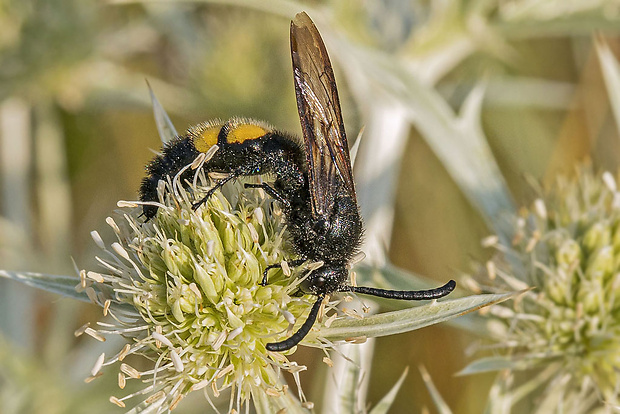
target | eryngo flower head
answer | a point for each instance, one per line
(184, 287)
(567, 248)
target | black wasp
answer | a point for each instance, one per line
(313, 181)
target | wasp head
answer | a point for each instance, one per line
(327, 279)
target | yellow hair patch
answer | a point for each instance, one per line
(243, 132)
(207, 138)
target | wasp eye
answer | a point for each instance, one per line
(314, 283)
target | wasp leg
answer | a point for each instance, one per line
(437, 293)
(301, 333)
(232, 176)
(216, 187)
(271, 191)
(267, 269)
(293, 263)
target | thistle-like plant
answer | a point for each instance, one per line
(184, 289)
(563, 332)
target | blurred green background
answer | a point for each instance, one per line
(76, 126)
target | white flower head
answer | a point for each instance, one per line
(567, 248)
(184, 288)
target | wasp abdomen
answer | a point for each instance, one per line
(245, 148)
(176, 155)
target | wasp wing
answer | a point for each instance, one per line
(327, 151)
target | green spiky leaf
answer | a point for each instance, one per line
(406, 320)
(62, 285)
(386, 402)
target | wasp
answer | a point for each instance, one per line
(313, 179)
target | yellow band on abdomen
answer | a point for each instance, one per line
(207, 138)
(243, 132)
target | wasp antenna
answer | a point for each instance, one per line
(436, 293)
(301, 333)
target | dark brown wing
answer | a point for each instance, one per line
(327, 151)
